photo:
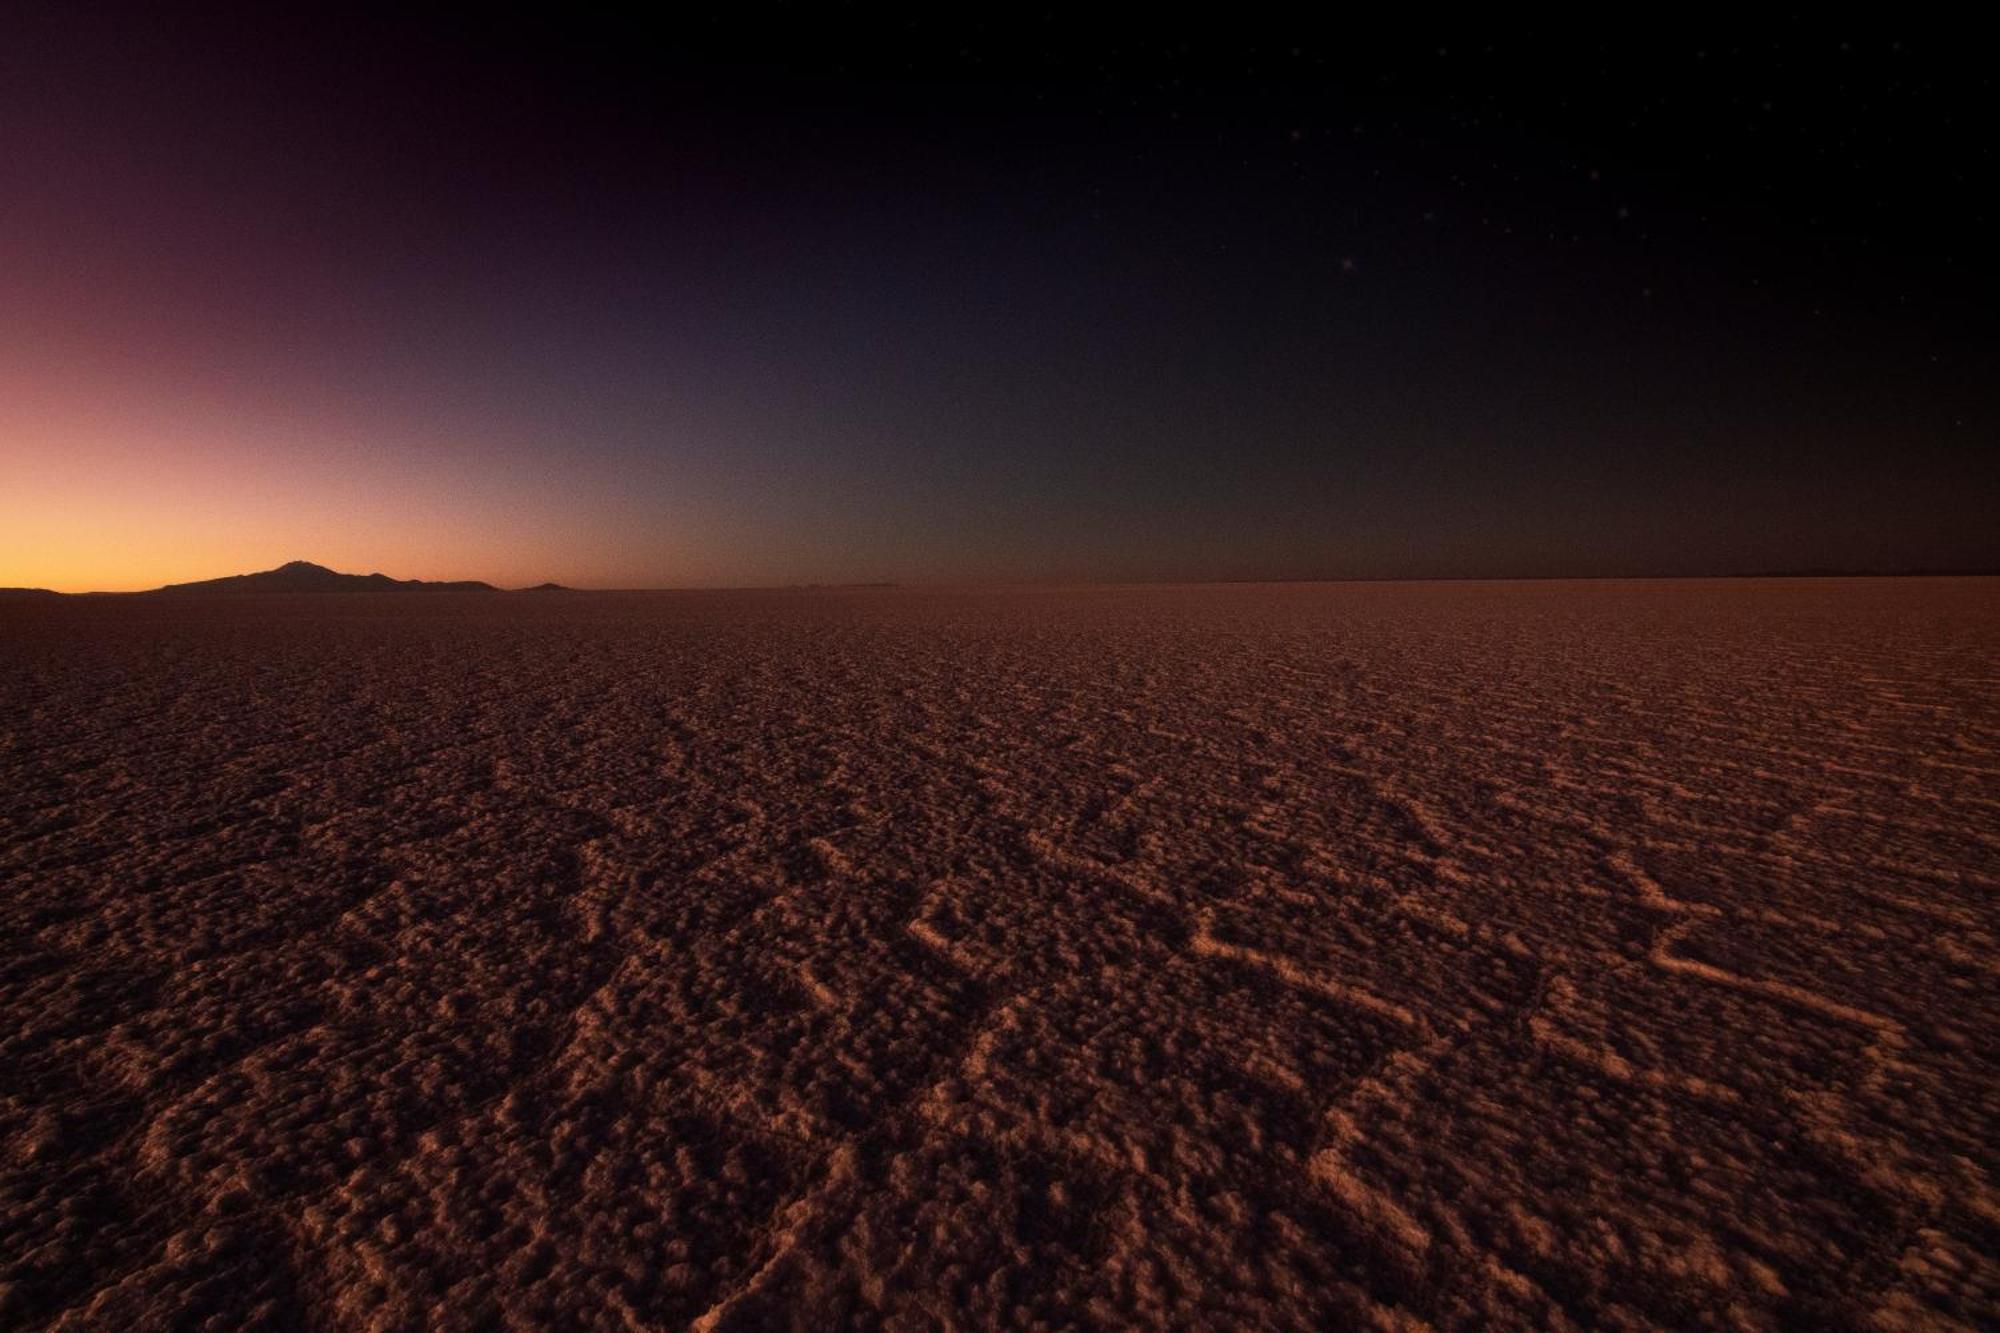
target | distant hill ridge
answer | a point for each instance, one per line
(304, 576)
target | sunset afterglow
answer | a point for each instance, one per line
(448, 302)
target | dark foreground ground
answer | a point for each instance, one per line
(1280, 957)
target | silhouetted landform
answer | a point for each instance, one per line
(1372, 956)
(304, 576)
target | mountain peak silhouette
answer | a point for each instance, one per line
(305, 576)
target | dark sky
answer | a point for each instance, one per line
(781, 297)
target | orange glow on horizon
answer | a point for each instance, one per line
(104, 495)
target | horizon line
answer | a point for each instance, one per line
(194, 590)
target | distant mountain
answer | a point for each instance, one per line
(545, 587)
(304, 576)
(28, 592)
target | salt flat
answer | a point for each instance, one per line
(1293, 956)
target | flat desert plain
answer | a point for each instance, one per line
(1614, 954)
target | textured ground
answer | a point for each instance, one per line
(1290, 957)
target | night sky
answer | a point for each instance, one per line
(820, 296)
